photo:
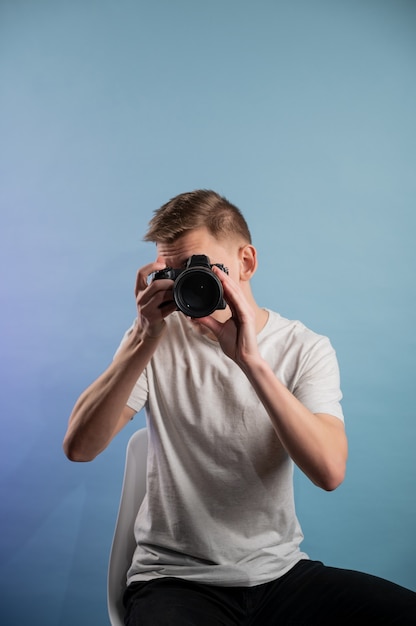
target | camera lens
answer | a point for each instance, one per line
(197, 292)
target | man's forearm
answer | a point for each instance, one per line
(316, 442)
(97, 414)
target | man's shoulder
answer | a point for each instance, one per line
(277, 322)
(290, 331)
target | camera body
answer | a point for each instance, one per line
(197, 291)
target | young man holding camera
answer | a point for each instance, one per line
(234, 394)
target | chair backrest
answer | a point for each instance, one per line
(132, 494)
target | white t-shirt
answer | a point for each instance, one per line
(219, 507)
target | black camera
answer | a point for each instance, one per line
(197, 291)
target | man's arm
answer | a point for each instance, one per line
(317, 443)
(101, 410)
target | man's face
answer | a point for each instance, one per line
(200, 241)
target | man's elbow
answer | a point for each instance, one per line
(76, 453)
(334, 477)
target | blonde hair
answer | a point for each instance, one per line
(196, 209)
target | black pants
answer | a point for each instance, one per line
(309, 594)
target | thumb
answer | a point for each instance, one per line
(208, 322)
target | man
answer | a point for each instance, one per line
(232, 400)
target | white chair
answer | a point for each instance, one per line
(132, 494)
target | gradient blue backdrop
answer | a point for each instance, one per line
(303, 114)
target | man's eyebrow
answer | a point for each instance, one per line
(177, 265)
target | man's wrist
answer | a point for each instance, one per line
(154, 332)
(253, 365)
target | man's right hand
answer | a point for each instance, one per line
(154, 300)
(101, 411)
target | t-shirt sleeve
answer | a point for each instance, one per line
(318, 384)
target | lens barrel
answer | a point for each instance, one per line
(198, 292)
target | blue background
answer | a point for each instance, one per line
(303, 114)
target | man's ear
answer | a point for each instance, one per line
(248, 261)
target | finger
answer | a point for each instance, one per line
(209, 322)
(156, 293)
(163, 306)
(144, 272)
(232, 292)
(155, 309)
